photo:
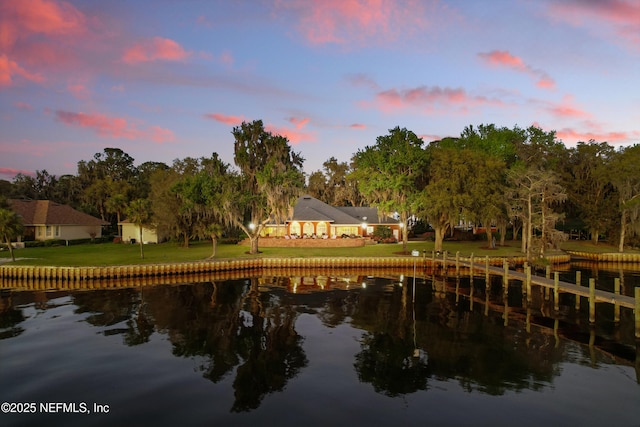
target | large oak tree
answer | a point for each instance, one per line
(392, 173)
(269, 181)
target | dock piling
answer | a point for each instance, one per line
(616, 306)
(579, 283)
(556, 291)
(592, 300)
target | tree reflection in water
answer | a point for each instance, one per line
(247, 329)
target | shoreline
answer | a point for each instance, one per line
(57, 277)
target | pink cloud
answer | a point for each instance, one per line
(113, 127)
(427, 97)
(51, 17)
(157, 48)
(160, 135)
(363, 80)
(11, 172)
(227, 120)
(430, 138)
(346, 21)
(31, 33)
(567, 110)
(78, 90)
(502, 58)
(299, 123)
(25, 106)
(9, 70)
(570, 135)
(294, 136)
(357, 126)
(621, 17)
(546, 82)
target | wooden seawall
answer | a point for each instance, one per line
(46, 277)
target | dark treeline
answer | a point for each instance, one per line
(521, 182)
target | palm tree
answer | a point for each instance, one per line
(215, 231)
(139, 213)
(10, 228)
(117, 203)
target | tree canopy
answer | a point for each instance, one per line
(522, 181)
(391, 174)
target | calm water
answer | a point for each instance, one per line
(348, 350)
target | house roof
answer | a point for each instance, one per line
(46, 212)
(311, 209)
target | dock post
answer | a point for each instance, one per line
(457, 263)
(579, 283)
(444, 263)
(637, 311)
(545, 290)
(486, 272)
(592, 300)
(486, 303)
(433, 261)
(556, 291)
(505, 279)
(616, 306)
(471, 266)
(528, 280)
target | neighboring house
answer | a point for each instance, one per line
(46, 220)
(312, 217)
(131, 233)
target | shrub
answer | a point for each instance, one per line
(382, 232)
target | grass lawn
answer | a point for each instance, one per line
(124, 254)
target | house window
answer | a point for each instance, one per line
(295, 228)
(321, 228)
(348, 230)
(308, 229)
(49, 232)
(57, 231)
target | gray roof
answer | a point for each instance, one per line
(311, 209)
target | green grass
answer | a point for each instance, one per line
(123, 254)
(588, 246)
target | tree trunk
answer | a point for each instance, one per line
(503, 231)
(185, 242)
(595, 236)
(623, 226)
(405, 232)
(529, 226)
(440, 232)
(254, 244)
(13, 256)
(141, 249)
(516, 230)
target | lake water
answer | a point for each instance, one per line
(316, 350)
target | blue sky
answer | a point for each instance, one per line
(165, 80)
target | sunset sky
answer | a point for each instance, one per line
(165, 80)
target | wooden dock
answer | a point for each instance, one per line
(483, 266)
